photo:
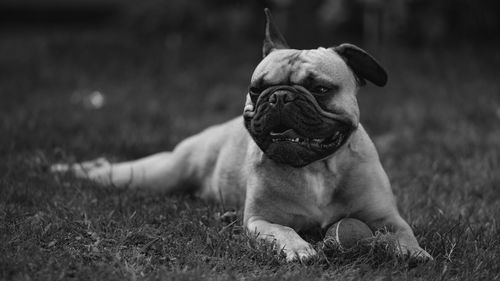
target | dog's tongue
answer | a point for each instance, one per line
(290, 133)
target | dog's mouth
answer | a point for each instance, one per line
(283, 134)
(297, 131)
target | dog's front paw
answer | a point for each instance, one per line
(97, 170)
(302, 252)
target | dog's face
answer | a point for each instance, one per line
(301, 105)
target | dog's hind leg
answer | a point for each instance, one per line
(163, 171)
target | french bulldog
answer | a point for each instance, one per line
(297, 158)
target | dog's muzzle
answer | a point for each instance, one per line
(290, 127)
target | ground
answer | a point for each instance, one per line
(436, 125)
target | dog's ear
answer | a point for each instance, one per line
(273, 40)
(362, 64)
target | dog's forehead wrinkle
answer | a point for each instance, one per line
(275, 68)
(327, 63)
(298, 66)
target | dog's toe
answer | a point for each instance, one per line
(92, 164)
(96, 170)
(59, 168)
(416, 254)
(303, 254)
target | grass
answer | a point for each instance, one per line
(436, 125)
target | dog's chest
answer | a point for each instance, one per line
(323, 204)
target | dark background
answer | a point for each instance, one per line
(410, 22)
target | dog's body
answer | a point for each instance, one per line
(298, 157)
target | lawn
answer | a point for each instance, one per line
(436, 125)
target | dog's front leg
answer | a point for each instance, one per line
(380, 213)
(285, 238)
(271, 208)
(402, 236)
(378, 209)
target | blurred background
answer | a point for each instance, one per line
(132, 77)
(412, 22)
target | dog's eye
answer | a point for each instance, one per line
(320, 90)
(255, 90)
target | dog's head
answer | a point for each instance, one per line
(301, 104)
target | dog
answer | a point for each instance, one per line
(296, 159)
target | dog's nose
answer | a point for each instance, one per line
(281, 97)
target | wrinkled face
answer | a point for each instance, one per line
(301, 106)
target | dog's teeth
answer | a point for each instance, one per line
(339, 140)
